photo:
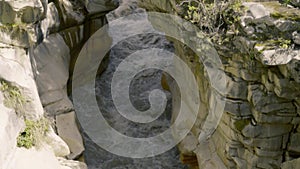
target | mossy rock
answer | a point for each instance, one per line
(241, 124)
(280, 11)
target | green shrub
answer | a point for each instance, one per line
(13, 97)
(33, 133)
(213, 18)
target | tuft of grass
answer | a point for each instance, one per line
(13, 97)
(33, 133)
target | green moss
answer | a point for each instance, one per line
(275, 43)
(280, 11)
(241, 124)
(33, 133)
(13, 97)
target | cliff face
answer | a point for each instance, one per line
(39, 42)
(260, 56)
(259, 126)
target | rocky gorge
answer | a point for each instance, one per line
(259, 51)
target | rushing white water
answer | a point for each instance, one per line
(143, 83)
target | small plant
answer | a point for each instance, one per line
(213, 18)
(285, 44)
(13, 97)
(33, 133)
(274, 43)
(286, 2)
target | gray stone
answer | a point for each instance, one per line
(240, 162)
(15, 68)
(268, 102)
(15, 35)
(278, 56)
(287, 26)
(296, 37)
(67, 129)
(295, 3)
(60, 106)
(52, 65)
(294, 145)
(261, 28)
(72, 13)
(52, 73)
(267, 153)
(236, 88)
(265, 130)
(293, 164)
(10, 127)
(207, 156)
(286, 88)
(266, 82)
(51, 22)
(71, 164)
(257, 10)
(20, 12)
(34, 159)
(56, 144)
(272, 143)
(293, 68)
(249, 30)
(243, 44)
(237, 108)
(263, 118)
(98, 6)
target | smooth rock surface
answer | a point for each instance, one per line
(10, 127)
(71, 164)
(52, 73)
(56, 144)
(67, 129)
(34, 159)
(15, 68)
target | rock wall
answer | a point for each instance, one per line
(259, 127)
(39, 44)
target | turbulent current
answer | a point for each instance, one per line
(144, 82)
